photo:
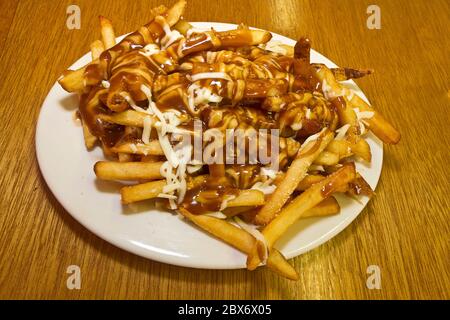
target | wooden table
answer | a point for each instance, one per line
(404, 229)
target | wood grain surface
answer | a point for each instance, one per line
(404, 229)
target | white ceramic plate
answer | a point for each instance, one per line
(68, 170)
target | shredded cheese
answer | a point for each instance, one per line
(361, 116)
(167, 196)
(204, 95)
(252, 229)
(132, 104)
(274, 46)
(133, 148)
(271, 173)
(194, 168)
(225, 201)
(312, 138)
(350, 94)
(174, 169)
(265, 187)
(328, 91)
(208, 75)
(150, 50)
(217, 214)
(308, 113)
(191, 31)
(147, 129)
(170, 36)
(341, 132)
(297, 126)
(106, 84)
(199, 95)
(315, 167)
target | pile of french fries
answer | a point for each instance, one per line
(130, 88)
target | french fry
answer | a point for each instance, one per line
(307, 200)
(111, 170)
(241, 240)
(143, 191)
(308, 181)
(247, 198)
(175, 12)
(327, 207)
(151, 190)
(327, 158)
(239, 38)
(89, 139)
(296, 172)
(342, 148)
(342, 74)
(97, 48)
(377, 124)
(298, 207)
(150, 158)
(345, 111)
(182, 27)
(362, 150)
(345, 148)
(107, 30)
(124, 157)
(153, 148)
(234, 211)
(127, 118)
(73, 80)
